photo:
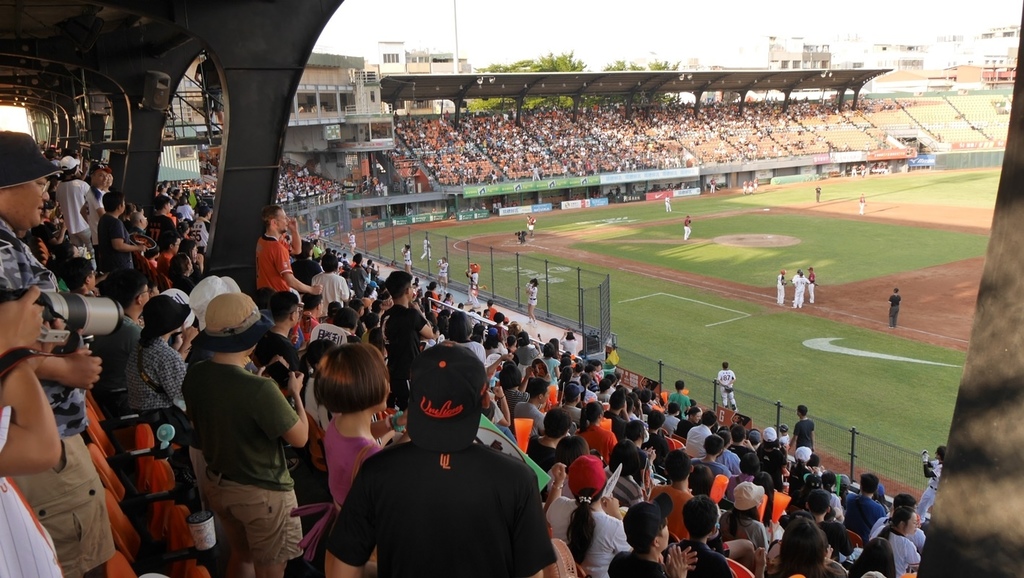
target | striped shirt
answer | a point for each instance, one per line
(25, 548)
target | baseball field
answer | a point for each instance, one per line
(694, 304)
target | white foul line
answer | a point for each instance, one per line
(825, 344)
(742, 315)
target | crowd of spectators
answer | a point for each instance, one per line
(492, 147)
(297, 182)
(488, 148)
(279, 379)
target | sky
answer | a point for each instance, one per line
(13, 118)
(601, 32)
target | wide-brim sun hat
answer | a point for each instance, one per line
(233, 324)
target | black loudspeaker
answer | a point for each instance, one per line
(156, 95)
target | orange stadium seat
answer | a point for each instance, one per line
(739, 570)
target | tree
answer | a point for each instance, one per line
(550, 62)
(662, 65)
(564, 62)
(622, 66)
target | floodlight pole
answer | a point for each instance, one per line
(455, 17)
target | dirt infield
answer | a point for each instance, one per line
(940, 310)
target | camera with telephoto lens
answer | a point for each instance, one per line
(91, 315)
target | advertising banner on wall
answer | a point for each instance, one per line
(584, 203)
(613, 178)
(472, 215)
(506, 211)
(892, 154)
(529, 186)
(847, 157)
(991, 144)
(922, 161)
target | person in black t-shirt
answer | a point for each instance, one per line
(404, 325)
(646, 527)
(161, 222)
(693, 415)
(818, 504)
(115, 248)
(701, 515)
(541, 449)
(442, 504)
(304, 267)
(275, 350)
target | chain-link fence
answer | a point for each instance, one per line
(568, 296)
(842, 449)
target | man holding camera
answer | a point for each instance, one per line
(68, 499)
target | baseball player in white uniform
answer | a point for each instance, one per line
(800, 285)
(726, 380)
(668, 204)
(932, 471)
(352, 241)
(686, 228)
(780, 288)
(426, 249)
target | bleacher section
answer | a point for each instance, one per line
(940, 118)
(989, 113)
(491, 147)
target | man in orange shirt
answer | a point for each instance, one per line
(274, 253)
(168, 242)
(677, 468)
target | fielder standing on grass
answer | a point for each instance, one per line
(686, 228)
(426, 247)
(817, 194)
(780, 288)
(726, 380)
(862, 203)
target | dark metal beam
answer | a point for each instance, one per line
(975, 530)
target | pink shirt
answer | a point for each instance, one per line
(341, 453)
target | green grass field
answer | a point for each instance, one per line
(908, 404)
(840, 252)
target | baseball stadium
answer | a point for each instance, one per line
(299, 308)
(677, 309)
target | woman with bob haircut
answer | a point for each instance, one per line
(352, 383)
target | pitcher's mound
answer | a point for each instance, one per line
(756, 240)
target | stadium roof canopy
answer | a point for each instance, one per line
(516, 85)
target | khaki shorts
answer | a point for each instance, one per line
(256, 520)
(70, 502)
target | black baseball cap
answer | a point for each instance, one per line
(644, 521)
(22, 160)
(445, 402)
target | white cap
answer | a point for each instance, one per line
(206, 290)
(770, 435)
(68, 163)
(803, 454)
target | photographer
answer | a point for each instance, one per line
(69, 499)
